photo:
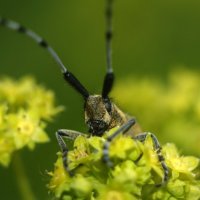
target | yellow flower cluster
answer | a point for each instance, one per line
(129, 178)
(24, 109)
(169, 108)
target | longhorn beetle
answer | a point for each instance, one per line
(100, 113)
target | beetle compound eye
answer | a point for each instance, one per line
(108, 105)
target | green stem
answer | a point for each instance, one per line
(22, 179)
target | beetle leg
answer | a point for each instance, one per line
(142, 137)
(123, 129)
(69, 134)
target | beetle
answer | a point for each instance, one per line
(101, 114)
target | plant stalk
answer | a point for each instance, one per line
(22, 179)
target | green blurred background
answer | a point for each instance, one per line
(150, 38)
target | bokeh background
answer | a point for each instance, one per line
(150, 39)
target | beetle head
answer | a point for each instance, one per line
(98, 114)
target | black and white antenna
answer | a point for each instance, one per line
(68, 76)
(109, 77)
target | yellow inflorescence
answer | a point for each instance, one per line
(129, 178)
(24, 108)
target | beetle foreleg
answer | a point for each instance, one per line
(69, 134)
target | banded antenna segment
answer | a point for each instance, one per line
(109, 77)
(38, 39)
(68, 76)
(109, 35)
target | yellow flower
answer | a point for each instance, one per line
(26, 130)
(59, 177)
(24, 108)
(180, 164)
(7, 147)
